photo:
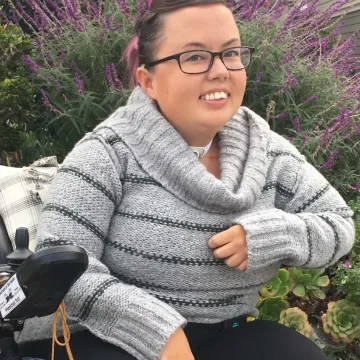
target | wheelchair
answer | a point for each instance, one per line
(32, 284)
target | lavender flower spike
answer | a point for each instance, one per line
(34, 68)
(297, 124)
(47, 103)
(258, 79)
(79, 83)
(331, 160)
(109, 77)
(115, 76)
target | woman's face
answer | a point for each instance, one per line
(179, 95)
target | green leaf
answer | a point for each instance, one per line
(305, 279)
(316, 273)
(311, 287)
(318, 294)
(282, 291)
(322, 281)
(283, 275)
(299, 290)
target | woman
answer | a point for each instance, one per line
(186, 203)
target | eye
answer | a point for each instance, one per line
(195, 57)
(232, 53)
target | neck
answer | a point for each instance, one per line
(199, 139)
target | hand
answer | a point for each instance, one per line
(177, 347)
(231, 245)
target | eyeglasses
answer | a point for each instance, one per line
(201, 61)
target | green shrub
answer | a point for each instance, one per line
(304, 80)
(346, 273)
(17, 107)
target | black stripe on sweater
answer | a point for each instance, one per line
(211, 303)
(76, 217)
(135, 179)
(230, 300)
(165, 259)
(50, 242)
(91, 299)
(156, 287)
(90, 180)
(281, 189)
(336, 237)
(284, 153)
(114, 140)
(309, 241)
(174, 223)
(316, 197)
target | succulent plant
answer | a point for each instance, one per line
(306, 283)
(279, 286)
(270, 308)
(342, 321)
(296, 319)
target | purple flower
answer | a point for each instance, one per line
(291, 81)
(95, 9)
(34, 68)
(4, 17)
(118, 83)
(282, 116)
(70, 9)
(62, 56)
(79, 82)
(25, 15)
(348, 264)
(356, 187)
(297, 124)
(109, 77)
(141, 7)
(124, 7)
(258, 79)
(47, 103)
(288, 57)
(15, 19)
(355, 131)
(73, 63)
(325, 136)
(331, 160)
(109, 24)
(311, 98)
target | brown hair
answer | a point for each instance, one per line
(148, 32)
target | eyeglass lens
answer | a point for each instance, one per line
(198, 61)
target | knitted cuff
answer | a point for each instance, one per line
(274, 236)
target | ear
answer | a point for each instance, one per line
(145, 80)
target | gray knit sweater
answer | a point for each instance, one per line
(134, 195)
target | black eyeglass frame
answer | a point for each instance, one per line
(213, 55)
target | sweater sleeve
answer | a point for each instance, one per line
(314, 229)
(79, 211)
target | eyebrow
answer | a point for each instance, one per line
(201, 45)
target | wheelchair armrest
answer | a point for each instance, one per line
(5, 243)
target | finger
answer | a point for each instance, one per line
(225, 251)
(221, 239)
(243, 266)
(234, 260)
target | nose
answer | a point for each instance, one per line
(218, 70)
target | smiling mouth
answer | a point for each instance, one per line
(219, 95)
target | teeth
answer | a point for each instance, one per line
(215, 96)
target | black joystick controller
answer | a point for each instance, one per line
(22, 251)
